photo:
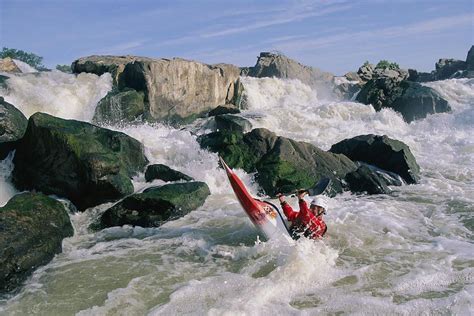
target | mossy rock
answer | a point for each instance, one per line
(87, 164)
(120, 106)
(12, 127)
(156, 205)
(165, 173)
(32, 227)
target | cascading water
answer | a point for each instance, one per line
(406, 253)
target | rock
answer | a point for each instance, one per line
(8, 65)
(364, 180)
(176, 90)
(470, 59)
(389, 89)
(232, 123)
(283, 165)
(3, 81)
(223, 109)
(346, 90)
(417, 101)
(383, 152)
(280, 66)
(446, 68)
(12, 127)
(416, 76)
(32, 227)
(120, 106)
(165, 173)
(156, 205)
(87, 164)
(365, 72)
(353, 76)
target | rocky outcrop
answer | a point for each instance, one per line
(12, 127)
(165, 173)
(365, 72)
(8, 65)
(176, 90)
(32, 227)
(283, 165)
(447, 68)
(156, 205)
(120, 106)
(222, 109)
(389, 89)
(382, 152)
(231, 122)
(470, 59)
(87, 164)
(279, 66)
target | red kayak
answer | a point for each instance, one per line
(265, 216)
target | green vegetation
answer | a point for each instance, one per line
(385, 64)
(64, 68)
(31, 59)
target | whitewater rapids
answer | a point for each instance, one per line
(407, 253)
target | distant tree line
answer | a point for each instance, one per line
(31, 59)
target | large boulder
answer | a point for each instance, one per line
(232, 123)
(120, 106)
(389, 89)
(12, 127)
(87, 164)
(371, 180)
(176, 90)
(383, 152)
(222, 109)
(447, 68)
(32, 227)
(279, 66)
(165, 173)
(8, 65)
(156, 205)
(365, 72)
(283, 165)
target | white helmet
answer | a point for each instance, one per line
(320, 201)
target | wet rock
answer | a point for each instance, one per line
(283, 165)
(8, 65)
(470, 59)
(383, 152)
(389, 89)
(156, 205)
(223, 109)
(87, 164)
(176, 90)
(446, 68)
(12, 127)
(120, 106)
(232, 123)
(32, 227)
(165, 173)
(279, 66)
(370, 180)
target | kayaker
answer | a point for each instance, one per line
(307, 222)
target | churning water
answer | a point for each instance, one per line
(407, 253)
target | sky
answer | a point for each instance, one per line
(334, 35)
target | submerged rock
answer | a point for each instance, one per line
(165, 173)
(370, 180)
(283, 165)
(156, 205)
(12, 127)
(32, 227)
(383, 152)
(176, 90)
(120, 106)
(87, 164)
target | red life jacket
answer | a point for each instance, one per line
(304, 221)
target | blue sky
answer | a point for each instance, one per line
(334, 35)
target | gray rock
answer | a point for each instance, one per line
(383, 152)
(176, 90)
(470, 59)
(353, 76)
(365, 72)
(12, 127)
(280, 66)
(87, 164)
(446, 68)
(165, 173)
(32, 227)
(232, 123)
(156, 205)
(223, 109)
(364, 180)
(120, 106)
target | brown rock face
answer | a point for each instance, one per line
(8, 65)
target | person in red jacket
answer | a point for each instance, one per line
(307, 222)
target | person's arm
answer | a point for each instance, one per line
(287, 209)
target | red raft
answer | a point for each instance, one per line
(264, 215)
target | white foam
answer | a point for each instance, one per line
(24, 67)
(7, 190)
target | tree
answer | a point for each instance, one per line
(31, 59)
(384, 64)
